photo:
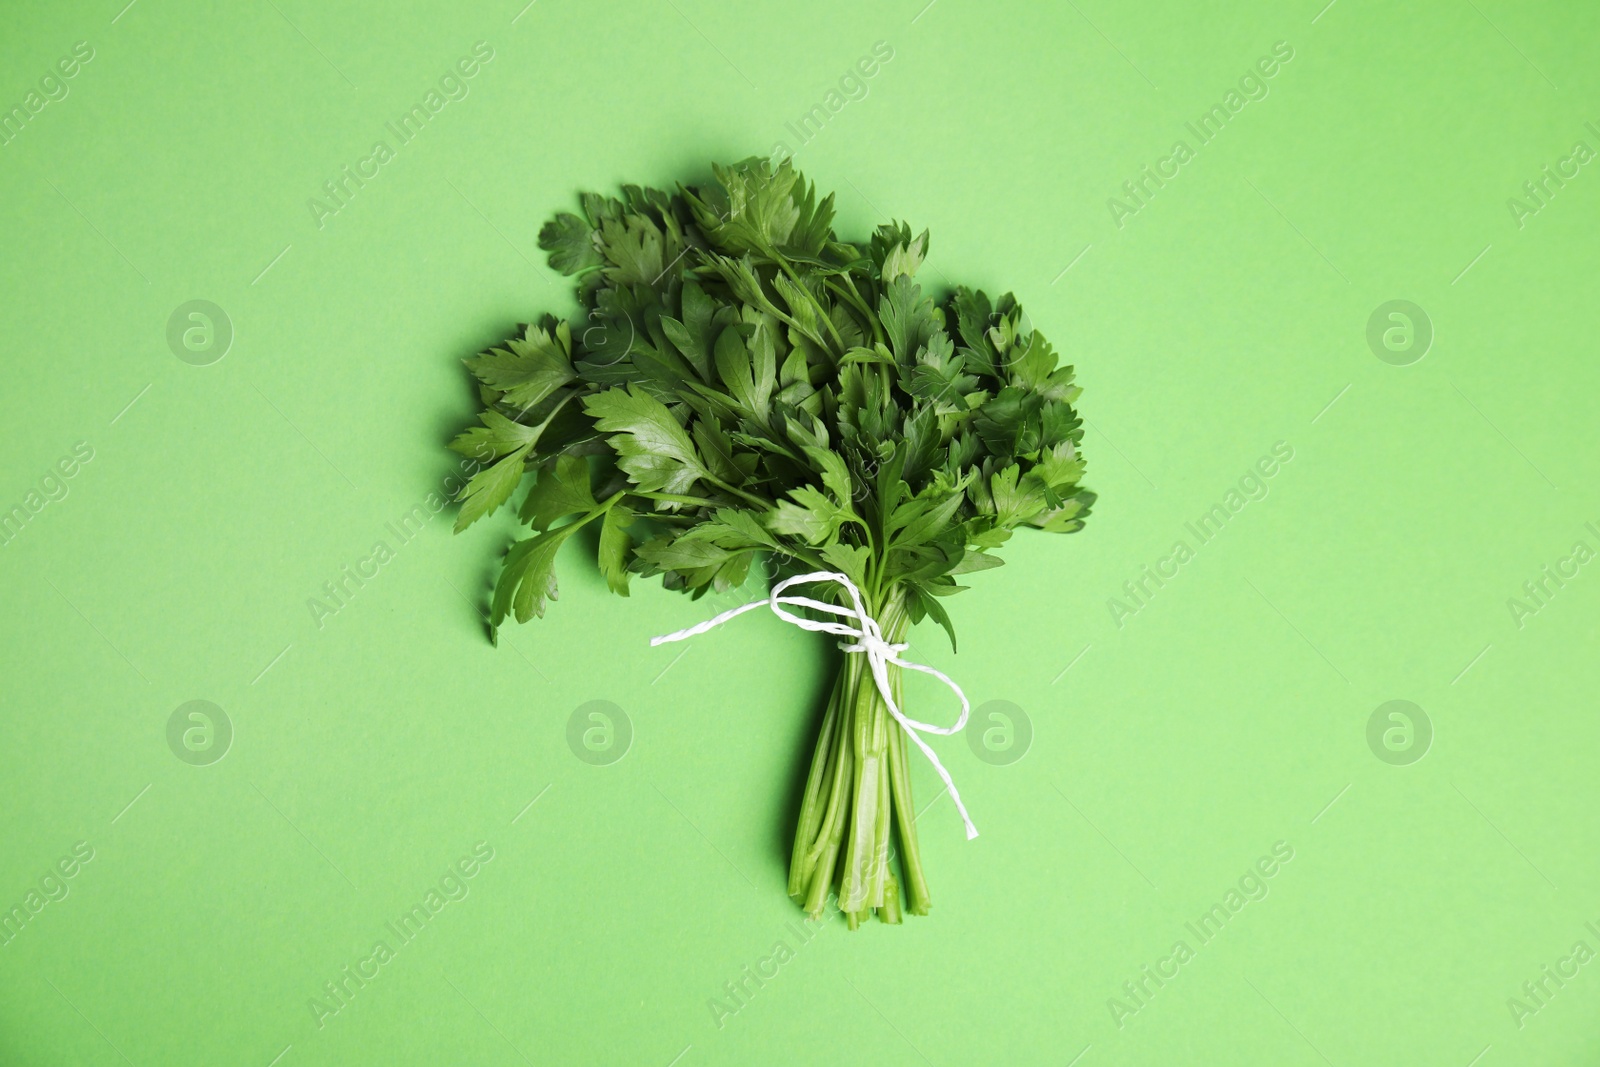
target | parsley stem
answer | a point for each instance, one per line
(791, 321)
(819, 790)
(606, 505)
(916, 882)
(858, 795)
(676, 498)
(822, 314)
(736, 491)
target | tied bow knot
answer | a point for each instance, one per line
(865, 637)
(873, 645)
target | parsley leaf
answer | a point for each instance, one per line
(651, 447)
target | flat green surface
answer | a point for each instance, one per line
(1177, 737)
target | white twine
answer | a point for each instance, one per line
(865, 636)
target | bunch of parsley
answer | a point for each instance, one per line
(742, 382)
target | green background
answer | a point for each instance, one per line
(1168, 754)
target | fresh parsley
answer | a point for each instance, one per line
(742, 382)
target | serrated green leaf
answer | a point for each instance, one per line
(1068, 518)
(1010, 423)
(1033, 366)
(732, 572)
(1017, 496)
(633, 250)
(682, 554)
(699, 315)
(560, 490)
(570, 242)
(940, 376)
(1060, 466)
(801, 309)
(731, 528)
(932, 521)
(651, 447)
(490, 488)
(1058, 422)
(809, 515)
(527, 577)
(973, 312)
(851, 560)
(756, 211)
(498, 436)
(908, 318)
(529, 368)
(747, 383)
